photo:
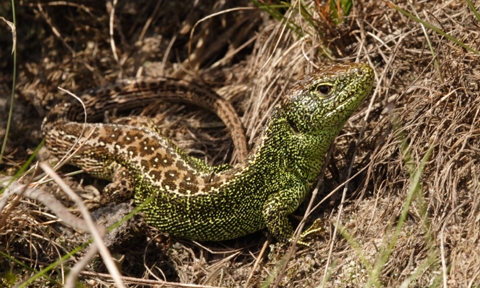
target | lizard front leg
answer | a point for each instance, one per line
(277, 208)
(121, 188)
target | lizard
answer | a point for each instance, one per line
(146, 90)
(191, 200)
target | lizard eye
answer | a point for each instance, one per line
(324, 89)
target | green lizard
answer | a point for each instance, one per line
(190, 199)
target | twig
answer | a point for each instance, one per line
(97, 234)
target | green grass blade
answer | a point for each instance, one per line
(14, 76)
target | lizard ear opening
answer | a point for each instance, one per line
(293, 126)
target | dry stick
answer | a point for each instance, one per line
(309, 209)
(208, 17)
(149, 271)
(256, 105)
(172, 41)
(257, 261)
(47, 199)
(107, 258)
(344, 193)
(110, 30)
(14, 77)
(340, 186)
(54, 29)
(62, 212)
(149, 21)
(217, 268)
(298, 231)
(202, 53)
(351, 163)
(148, 282)
(4, 199)
(72, 149)
(234, 52)
(442, 244)
(284, 27)
(304, 54)
(167, 53)
(307, 212)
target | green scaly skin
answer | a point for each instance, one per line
(195, 201)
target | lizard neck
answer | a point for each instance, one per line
(290, 144)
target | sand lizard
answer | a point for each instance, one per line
(193, 200)
(133, 93)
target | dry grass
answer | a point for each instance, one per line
(416, 107)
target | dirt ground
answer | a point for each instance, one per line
(406, 213)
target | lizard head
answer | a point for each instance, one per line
(325, 99)
(311, 115)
